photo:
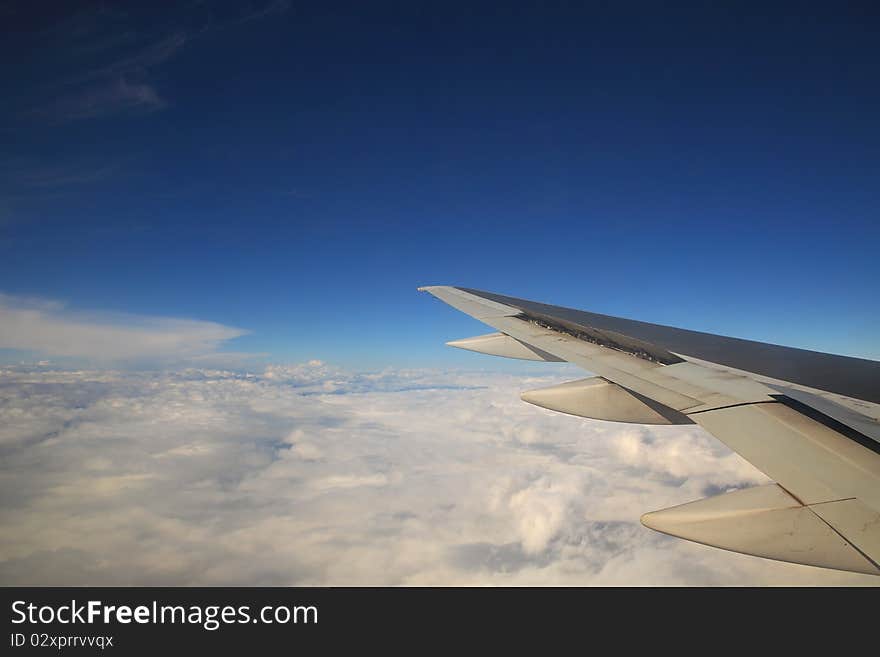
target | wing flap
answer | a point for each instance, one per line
(599, 399)
(851, 518)
(764, 521)
(501, 344)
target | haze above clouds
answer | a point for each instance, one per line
(309, 474)
(50, 328)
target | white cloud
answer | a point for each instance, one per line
(393, 477)
(48, 328)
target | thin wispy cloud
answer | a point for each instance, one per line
(111, 59)
(137, 62)
(109, 88)
(272, 8)
(24, 173)
(103, 99)
(102, 62)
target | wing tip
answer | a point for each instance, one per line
(433, 289)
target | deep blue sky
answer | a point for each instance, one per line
(298, 171)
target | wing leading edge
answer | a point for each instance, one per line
(810, 421)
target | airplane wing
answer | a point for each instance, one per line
(810, 421)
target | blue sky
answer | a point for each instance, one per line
(296, 172)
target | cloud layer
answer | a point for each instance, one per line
(308, 474)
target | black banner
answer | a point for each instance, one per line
(148, 620)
